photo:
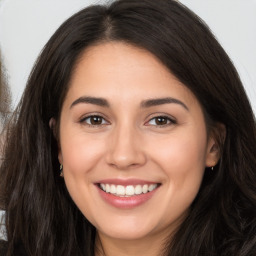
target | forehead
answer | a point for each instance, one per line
(119, 70)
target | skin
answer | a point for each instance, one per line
(128, 142)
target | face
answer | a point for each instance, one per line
(133, 143)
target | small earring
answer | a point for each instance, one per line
(61, 171)
(212, 168)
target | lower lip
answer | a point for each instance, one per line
(126, 202)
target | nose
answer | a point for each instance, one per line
(125, 149)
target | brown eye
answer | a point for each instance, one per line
(161, 121)
(94, 120)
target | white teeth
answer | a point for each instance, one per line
(113, 189)
(120, 190)
(107, 188)
(152, 187)
(129, 190)
(145, 189)
(138, 190)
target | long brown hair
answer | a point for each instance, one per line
(40, 214)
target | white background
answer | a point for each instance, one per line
(26, 25)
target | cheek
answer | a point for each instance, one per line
(80, 153)
(182, 159)
(181, 150)
(183, 162)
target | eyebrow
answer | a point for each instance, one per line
(91, 100)
(144, 104)
(162, 101)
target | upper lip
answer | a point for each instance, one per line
(126, 182)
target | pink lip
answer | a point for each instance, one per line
(125, 202)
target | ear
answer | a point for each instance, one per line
(60, 157)
(53, 127)
(215, 144)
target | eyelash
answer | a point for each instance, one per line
(169, 121)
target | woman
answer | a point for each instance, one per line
(134, 136)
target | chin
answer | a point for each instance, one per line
(127, 229)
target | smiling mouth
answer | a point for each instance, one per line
(129, 190)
